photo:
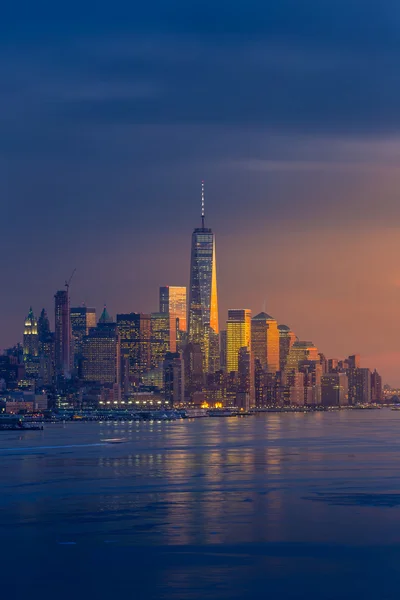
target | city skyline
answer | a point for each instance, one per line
(104, 155)
(365, 359)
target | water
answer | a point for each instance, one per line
(292, 505)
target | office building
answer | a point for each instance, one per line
(376, 388)
(265, 341)
(163, 336)
(83, 318)
(286, 340)
(62, 337)
(238, 335)
(31, 346)
(101, 353)
(334, 389)
(173, 302)
(301, 351)
(174, 378)
(359, 385)
(203, 297)
(135, 337)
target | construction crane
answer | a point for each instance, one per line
(69, 280)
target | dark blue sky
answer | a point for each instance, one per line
(112, 113)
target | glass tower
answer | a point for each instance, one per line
(203, 298)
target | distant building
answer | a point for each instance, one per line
(162, 336)
(173, 303)
(301, 351)
(286, 340)
(83, 318)
(376, 388)
(238, 335)
(265, 341)
(203, 296)
(174, 378)
(194, 373)
(135, 334)
(222, 349)
(62, 338)
(101, 354)
(334, 389)
(359, 385)
(245, 389)
(31, 346)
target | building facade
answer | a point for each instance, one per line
(265, 341)
(238, 335)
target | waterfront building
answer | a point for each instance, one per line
(376, 387)
(203, 297)
(238, 335)
(174, 378)
(62, 337)
(46, 350)
(265, 338)
(245, 389)
(359, 385)
(334, 389)
(194, 371)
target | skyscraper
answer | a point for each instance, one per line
(173, 302)
(334, 389)
(101, 354)
(163, 336)
(46, 350)
(238, 335)
(135, 335)
(83, 318)
(286, 340)
(203, 298)
(31, 345)
(62, 338)
(265, 341)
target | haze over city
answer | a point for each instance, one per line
(109, 123)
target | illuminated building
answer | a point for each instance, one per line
(46, 350)
(222, 349)
(101, 353)
(334, 389)
(376, 387)
(62, 337)
(238, 335)
(174, 378)
(245, 389)
(135, 335)
(313, 372)
(296, 389)
(203, 298)
(359, 386)
(265, 338)
(173, 302)
(31, 346)
(163, 336)
(301, 351)
(83, 318)
(286, 340)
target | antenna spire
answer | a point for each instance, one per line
(202, 204)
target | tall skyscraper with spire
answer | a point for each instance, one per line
(203, 297)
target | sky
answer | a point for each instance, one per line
(111, 114)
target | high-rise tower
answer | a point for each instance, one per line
(203, 298)
(62, 334)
